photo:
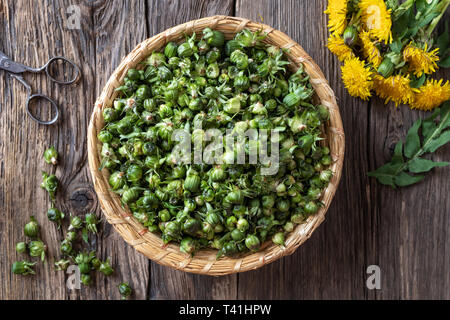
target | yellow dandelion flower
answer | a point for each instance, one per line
(337, 46)
(419, 60)
(431, 95)
(377, 19)
(394, 88)
(357, 78)
(337, 15)
(370, 51)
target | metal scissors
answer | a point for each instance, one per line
(16, 69)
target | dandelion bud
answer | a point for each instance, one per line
(350, 35)
(386, 67)
(51, 156)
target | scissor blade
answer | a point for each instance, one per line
(7, 64)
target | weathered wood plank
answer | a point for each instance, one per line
(23, 141)
(117, 27)
(96, 48)
(166, 283)
(411, 237)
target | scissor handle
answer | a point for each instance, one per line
(52, 103)
(52, 61)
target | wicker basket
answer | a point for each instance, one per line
(204, 261)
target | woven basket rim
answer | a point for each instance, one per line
(204, 261)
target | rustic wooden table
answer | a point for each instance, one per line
(404, 232)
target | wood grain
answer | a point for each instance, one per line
(403, 231)
(97, 50)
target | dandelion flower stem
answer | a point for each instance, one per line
(442, 7)
(403, 7)
(421, 151)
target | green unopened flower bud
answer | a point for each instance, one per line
(96, 263)
(192, 183)
(281, 189)
(184, 50)
(124, 290)
(49, 183)
(21, 247)
(86, 279)
(230, 248)
(170, 50)
(133, 74)
(66, 247)
(218, 174)
(37, 249)
(305, 143)
(213, 71)
(246, 38)
(232, 106)
(117, 180)
(55, 215)
(31, 229)
(231, 222)
(326, 175)
(231, 46)
(172, 231)
(278, 238)
(311, 207)
(237, 235)
(252, 243)
(188, 245)
(268, 201)
(109, 114)
(242, 82)
(119, 104)
(213, 55)
(208, 231)
(51, 156)
(283, 205)
(203, 47)
(297, 218)
(213, 37)
(219, 228)
(289, 226)
(326, 160)
(23, 267)
(156, 59)
(386, 68)
(130, 195)
(75, 223)
(242, 224)
(62, 264)
(83, 260)
(105, 136)
(240, 59)
(324, 114)
(71, 236)
(240, 127)
(105, 268)
(91, 222)
(350, 35)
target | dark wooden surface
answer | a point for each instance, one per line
(404, 231)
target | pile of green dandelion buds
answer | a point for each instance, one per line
(208, 83)
(86, 261)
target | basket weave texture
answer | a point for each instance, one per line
(204, 261)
